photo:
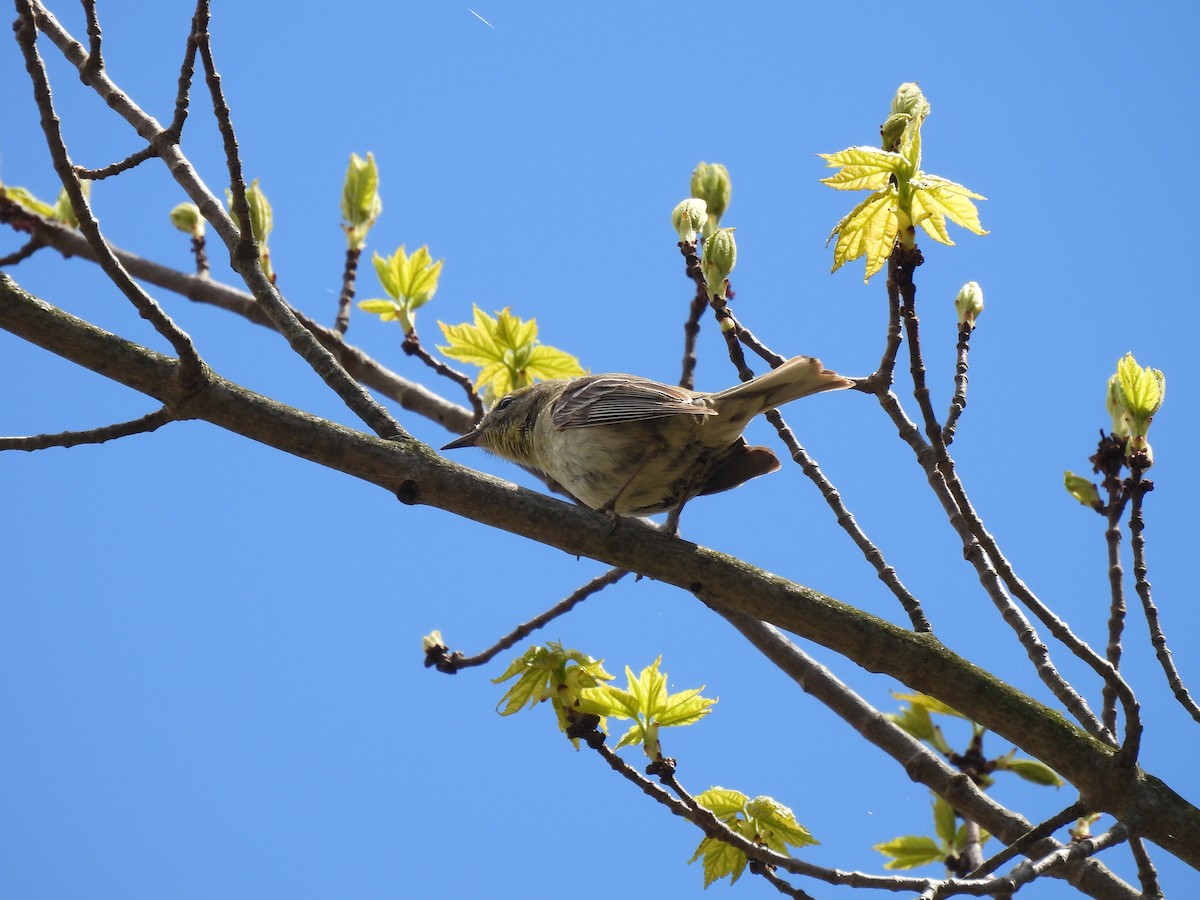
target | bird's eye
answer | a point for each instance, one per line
(505, 402)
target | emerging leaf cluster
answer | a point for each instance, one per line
(60, 211)
(508, 352)
(262, 221)
(553, 673)
(902, 197)
(647, 703)
(913, 850)
(361, 203)
(409, 281)
(761, 820)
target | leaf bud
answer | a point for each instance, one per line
(909, 106)
(720, 256)
(1081, 489)
(688, 217)
(186, 217)
(969, 303)
(710, 183)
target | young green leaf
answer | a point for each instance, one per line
(648, 704)
(911, 851)
(24, 198)
(551, 672)
(361, 203)
(1031, 770)
(762, 820)
(507, 351)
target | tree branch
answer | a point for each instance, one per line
(417, 475)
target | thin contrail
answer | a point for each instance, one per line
(481, 18)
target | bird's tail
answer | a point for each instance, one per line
(796, 378)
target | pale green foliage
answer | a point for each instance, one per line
(902, 197)
(1135, 394)
(262, 221)
(63, 211)
(968, 303)
(720, 256)
(688, 217)
(1081, 489)
(554, 673)
(913, 850)
(361, 203)
(24, 198)
(59, 211)
(761, 820)
(186, 217)
(648, 704)
(711, 183)
(409, 281)
(1031, 770)
(508, 352)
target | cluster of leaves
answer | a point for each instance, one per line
(576, 686)
(949, 840)
(902, 195)
(59, 211)
(507, 351)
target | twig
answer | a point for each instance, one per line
(873, 555)
(347, 296)
(412, 347)
(1138, 488)
(1030, 838)
(1116, 609)
(246, 259)
(959, 402)
(1147, 874)
(26, 250)
(410, 395)
(919, 763)
(691, 328)
(144, 424)
(191, 367)
(452, 662)
(979, 556)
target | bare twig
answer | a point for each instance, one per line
(412, 347)
(1138, 488)
(691, 328)
(959, 402)
(1147, 874)
(347, 295)
(191, 370)
(452, 662)
(919, 763)
(144, 424)
(1116, 609)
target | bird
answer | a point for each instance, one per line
(629, 446)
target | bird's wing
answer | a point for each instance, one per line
(610, 399)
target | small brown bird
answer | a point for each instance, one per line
(627, 445)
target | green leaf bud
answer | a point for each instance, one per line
(361, 203)
(688, 217)
(969, 303)
(1081, 489)
(186, 217)
(710, 183)
(1135, 394)
(720, 256)
(909, 108)
(63, 211)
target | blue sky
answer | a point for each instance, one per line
(210, 667)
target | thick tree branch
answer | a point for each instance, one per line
(417, 475)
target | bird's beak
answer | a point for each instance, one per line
(470, 439)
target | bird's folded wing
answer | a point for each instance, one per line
(611, 399)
